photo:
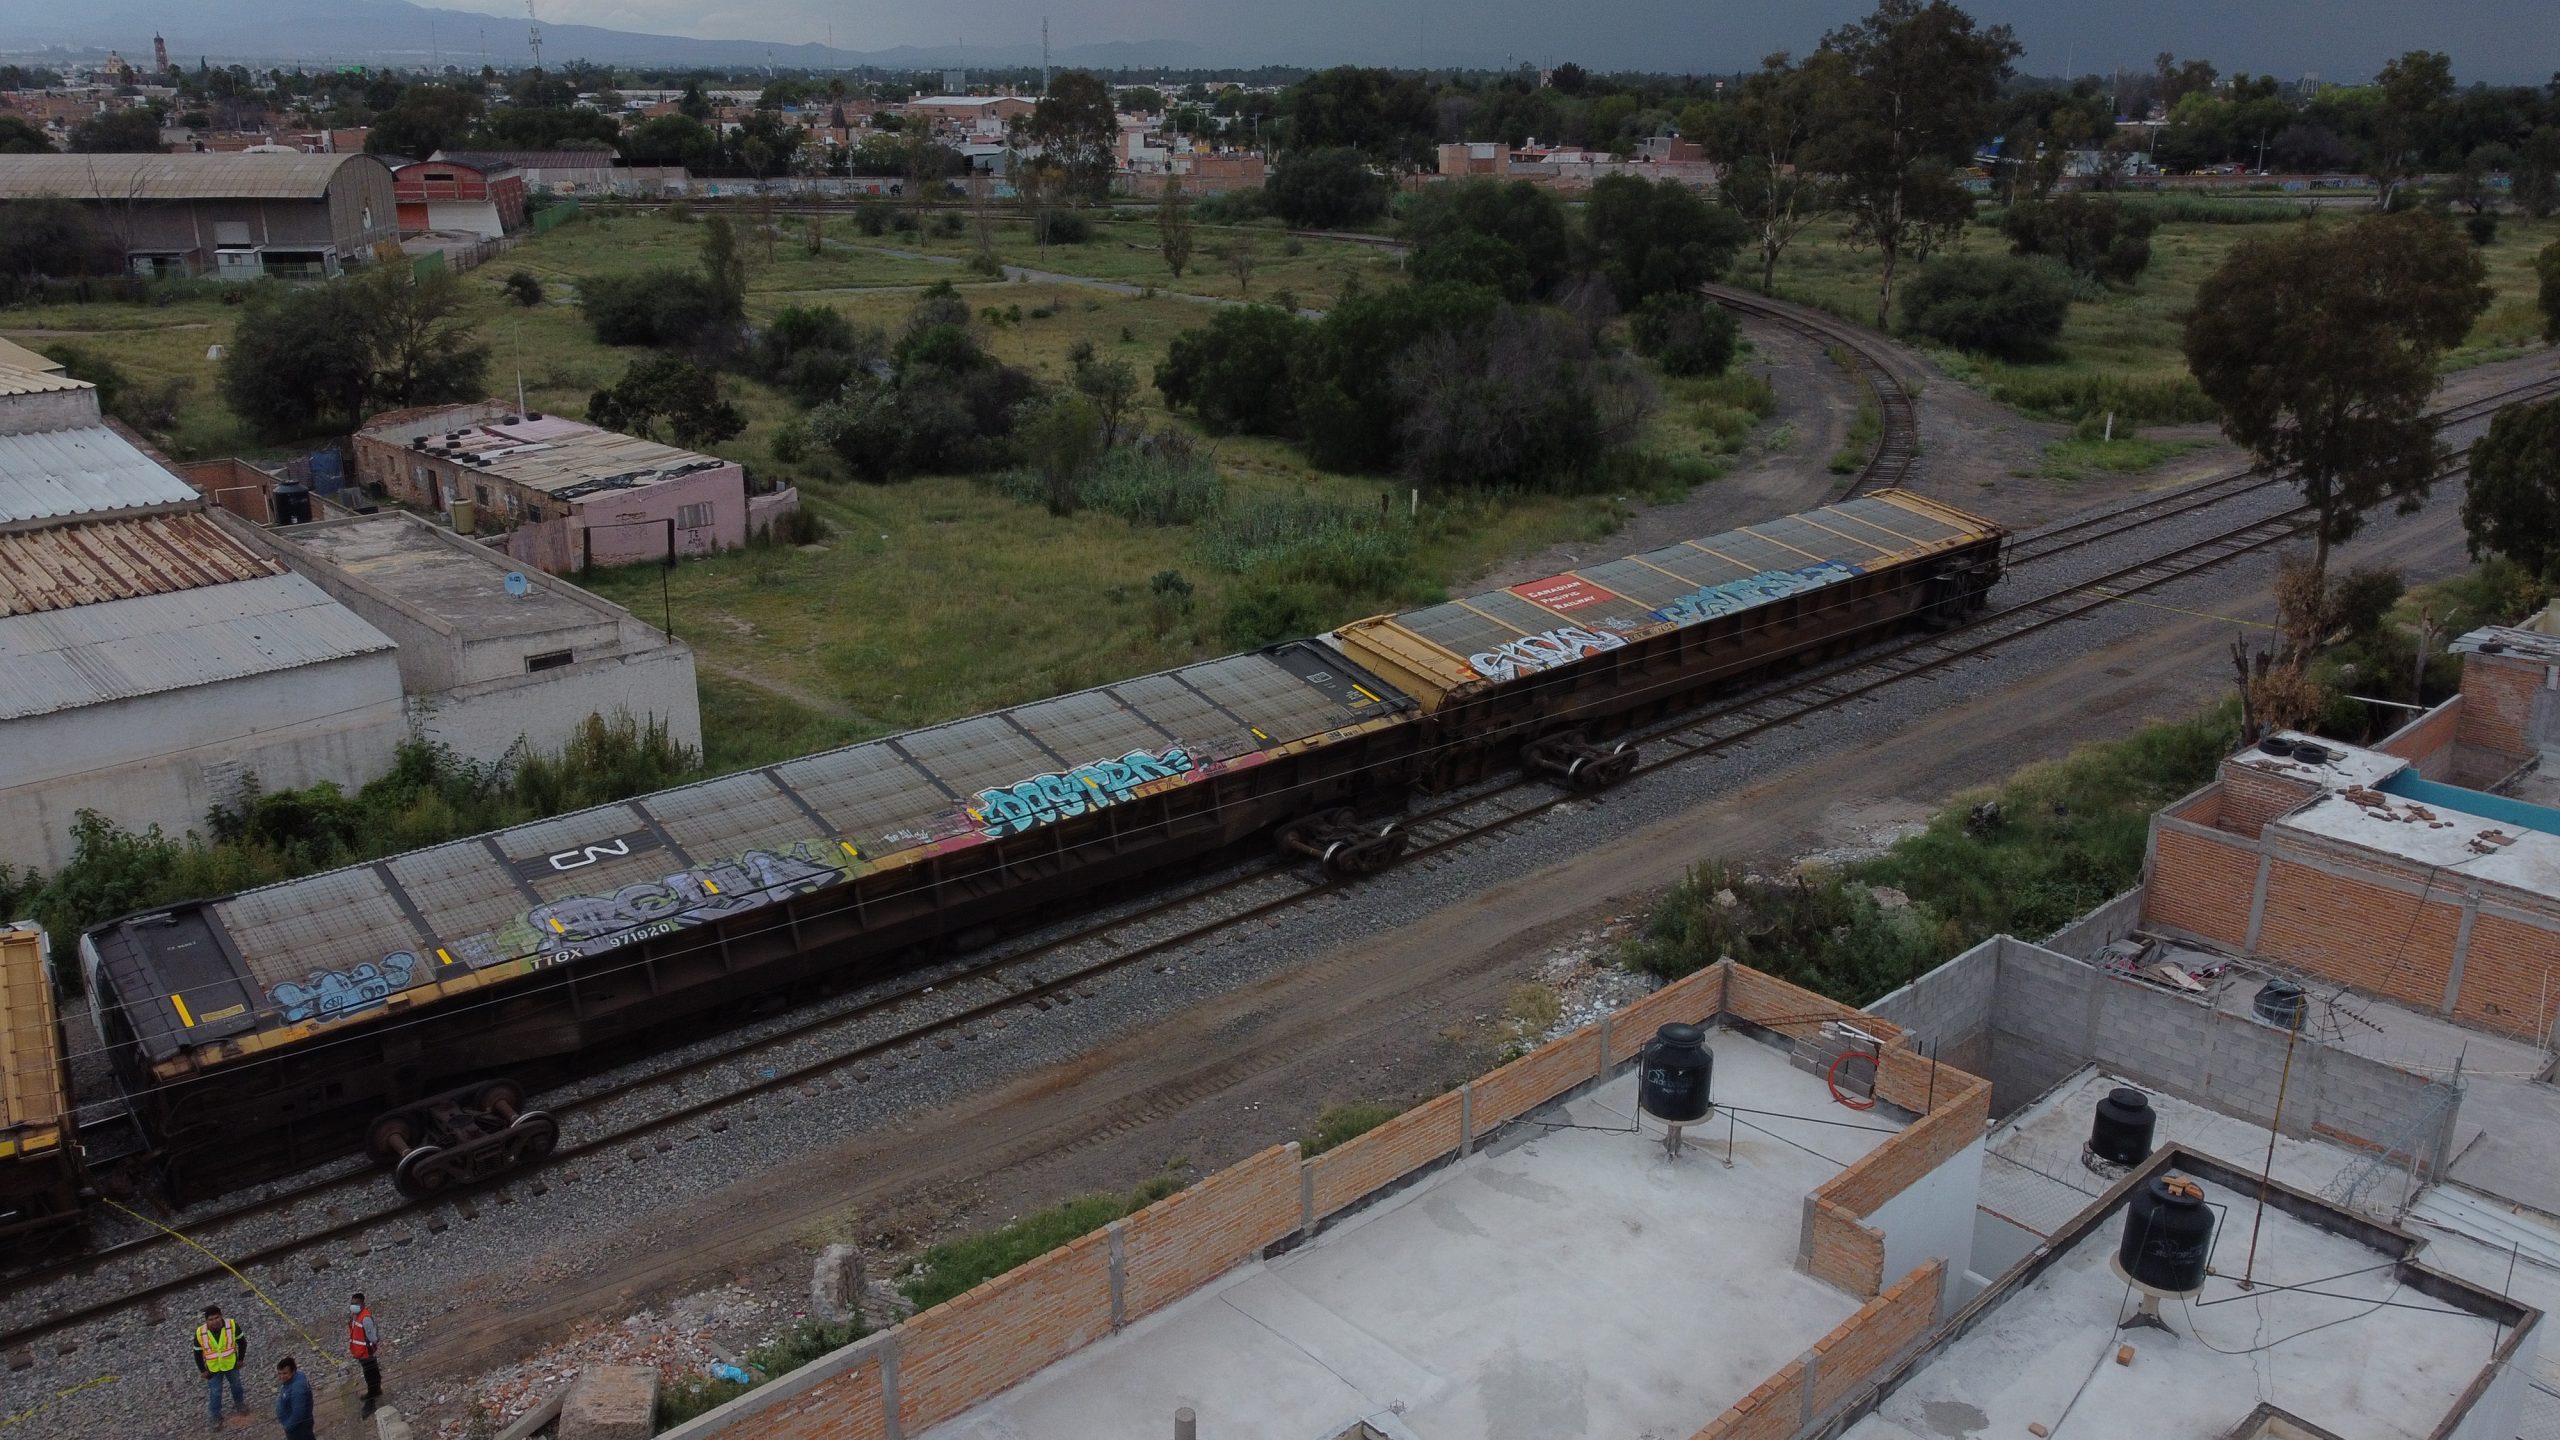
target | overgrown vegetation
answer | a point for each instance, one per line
(2025, 858)
(2003, 306)
(1860, 441)
(1344, 1123)
(955, 1267)
(804, 1343)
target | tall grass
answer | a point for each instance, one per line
(2065, 837)
(2079, 395)
(1144, 485)
(958, 1266)
(1311, 540)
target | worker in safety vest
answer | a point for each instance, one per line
(364, 1342)
(219, 1346)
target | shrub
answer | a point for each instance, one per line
(1512, 238)
(1520, 401)
(1340, 1124)
(2546, 269)
(958, 1266)
(668, 306)
(1658, 237)
(671, 389)
(1060, 227)
(1268, 612)
(2482, 228)
(805, 1343)
(1349, 417)
(1231, 372)
(1685, 334)
(2099, 238)
(521, 287)
(1236, 207)
(1995, 305)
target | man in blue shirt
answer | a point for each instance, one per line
(293, 1401)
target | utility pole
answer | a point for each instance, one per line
(1044, 57)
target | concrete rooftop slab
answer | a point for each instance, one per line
(1570, 1280)
(2368, 1357)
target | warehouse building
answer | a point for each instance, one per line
(565, 493)
(493, 659)
(485, 199)
(151, 664)
(231, 217)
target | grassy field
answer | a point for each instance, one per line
(2122, 352)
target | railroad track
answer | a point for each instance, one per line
(1897, 447)
(1240, 899)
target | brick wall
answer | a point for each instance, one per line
(1401, 1146)
(1774, 1004)
(1840, 1366)
(2200, 882)
(2251, 797)
(2428, 742)
(2497, 704)
(1537, 1077)
(1839, 1251)
(1184, 1240)
(845, 1408)
(1964, 1104)
(1689, 1000)
(971, 1346)
(2510, 977)
(2377, 939)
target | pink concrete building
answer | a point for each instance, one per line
(565, 493)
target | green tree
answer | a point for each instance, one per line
(427, 119)
(2535, 182)
(1231, 372)
(134, 131)
(1327, 187)
(2096, 237)
(18, 137)
(1078, 130)
(1657, 237)
(672, 140)
(1684, 334)
(49, 235)
(2320, 347)
(724, 277)
(2410, 96)
(1997, 305)
(1913, 98)
(1348, 417)
(1508, 236)
(671, 389)
(1174, 228)
(2512, 505)
(1112, 388)
(327, 356)
(1764, 138)
(1062, 437)
(1388, 117)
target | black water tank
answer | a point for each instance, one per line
(2121, 1133)
(290, 502)
(2279, 1003)
(2168, 1232)
(1676, 1074)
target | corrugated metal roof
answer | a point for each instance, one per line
(25, 380)
(530, 159)
(65, 474)
(19, 357)
(65, 659)
(61, 566)
(263, 176)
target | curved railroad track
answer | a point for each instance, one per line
(1165, 926)
(1897, 447)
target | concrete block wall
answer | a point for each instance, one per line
(1841, 1366)
(2095, 931)
(1947, 1012)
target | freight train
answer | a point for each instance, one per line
(407, 1007)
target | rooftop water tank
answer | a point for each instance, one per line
(290, 503)
(2121, 1132)
(2280, 1003)
(1677, 1072)
(2168, 1232)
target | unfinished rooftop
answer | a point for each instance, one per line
(1571, 1279)
(2308, 1316)
(553, 454)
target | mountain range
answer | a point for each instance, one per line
(397, 33)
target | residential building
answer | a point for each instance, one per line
(557, 172)
(494, 660)
(983, 117)
(151, 664)
(567, 494)
(234, 217)
(484, 200)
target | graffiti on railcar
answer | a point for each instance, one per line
(1531, 653)
(337, 994)
(578, 925)
(1047, 799)
(1709, 601)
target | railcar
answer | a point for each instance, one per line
(40, 1173)
(407, 1007)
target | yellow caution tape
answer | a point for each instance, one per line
(23, 1416)
(263, 1298)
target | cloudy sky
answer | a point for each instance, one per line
(2498, 40)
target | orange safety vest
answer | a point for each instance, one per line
(221, 1352)
(357, 1345)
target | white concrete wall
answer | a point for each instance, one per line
(2499, 1414)
(2000, 1243)
(167, 759)
(1933, 1219)
(540, 710)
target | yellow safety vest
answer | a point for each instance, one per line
(220, 1352)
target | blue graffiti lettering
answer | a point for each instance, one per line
(1048, 799)
(587, 924)
(1710, 601)
(337, 994)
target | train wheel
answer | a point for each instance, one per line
(500, 1097)
(422, 1172)
(532, 1138)
(390, 1137)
